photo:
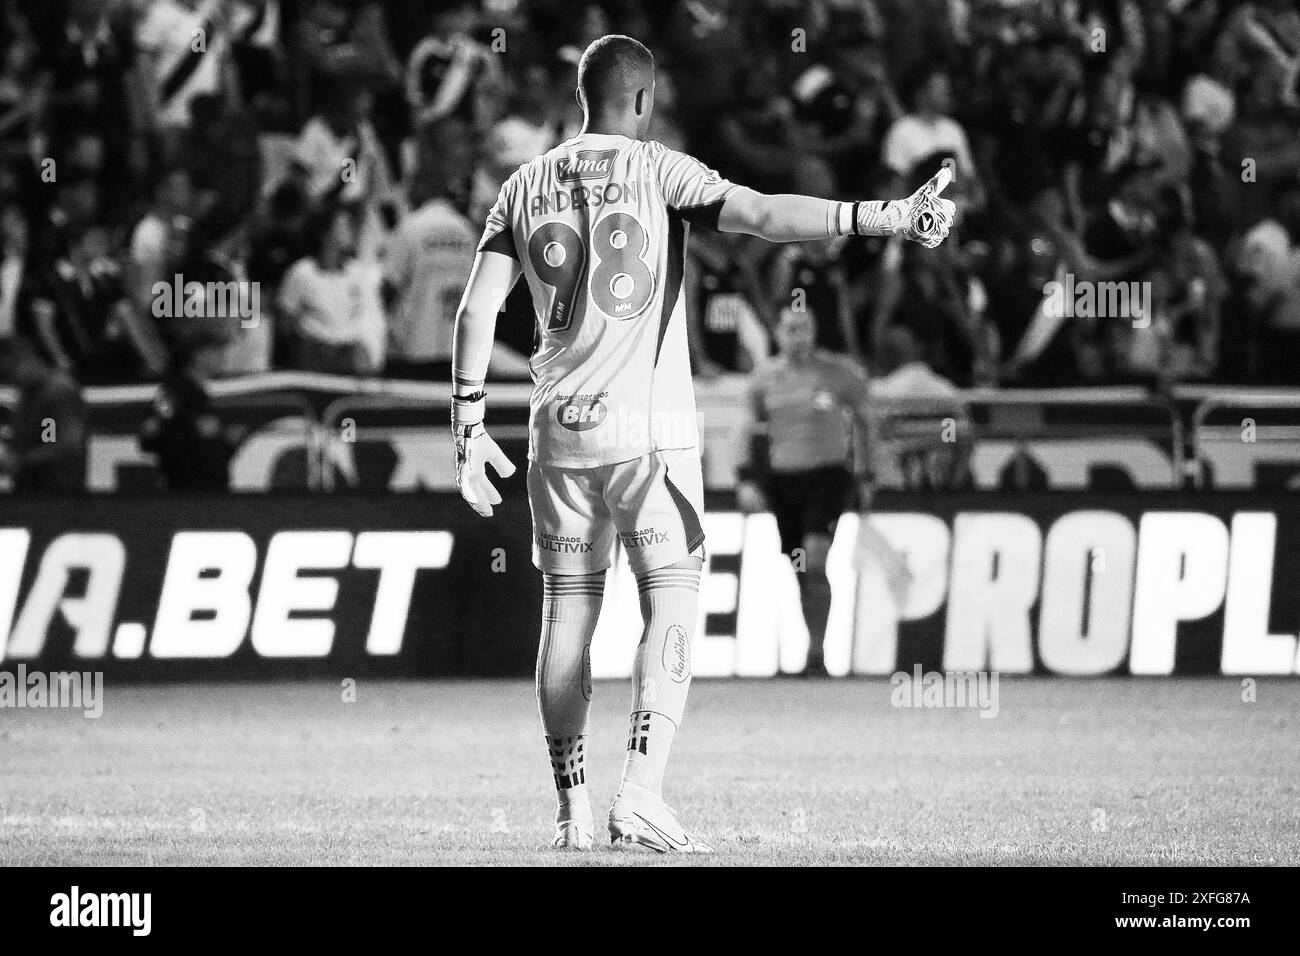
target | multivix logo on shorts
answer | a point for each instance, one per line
(586, 164)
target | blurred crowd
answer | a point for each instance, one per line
(206, 188)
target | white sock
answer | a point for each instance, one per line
(570, 607)
(662, 672)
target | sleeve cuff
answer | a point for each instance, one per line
(502, 242)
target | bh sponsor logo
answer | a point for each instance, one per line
(581, 413)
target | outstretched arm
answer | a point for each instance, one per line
(923, 217)
(490, 281)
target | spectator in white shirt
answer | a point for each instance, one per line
(339, 159)
(331, 305)
(339, 153)
(925, 423)
(160, 235)
(449, 71)
(928, 129)
(185, 52)
(426, 269)
(906, 374)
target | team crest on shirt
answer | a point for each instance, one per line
(586, 164)
(823, 400)
(711, 176)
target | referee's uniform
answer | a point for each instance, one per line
(804, 402)
(808, 479)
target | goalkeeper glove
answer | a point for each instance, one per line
(475, 450)
(922, 217)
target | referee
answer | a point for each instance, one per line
(797, 458)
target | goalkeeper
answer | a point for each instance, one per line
(597, 227)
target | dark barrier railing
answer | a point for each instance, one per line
(1246, 438)
(334, 433)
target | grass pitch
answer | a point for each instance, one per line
(1094, 772)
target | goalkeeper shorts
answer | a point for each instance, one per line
(651, 504)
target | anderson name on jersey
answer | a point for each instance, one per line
(598, 226)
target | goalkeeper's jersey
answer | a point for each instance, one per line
(598, 225)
